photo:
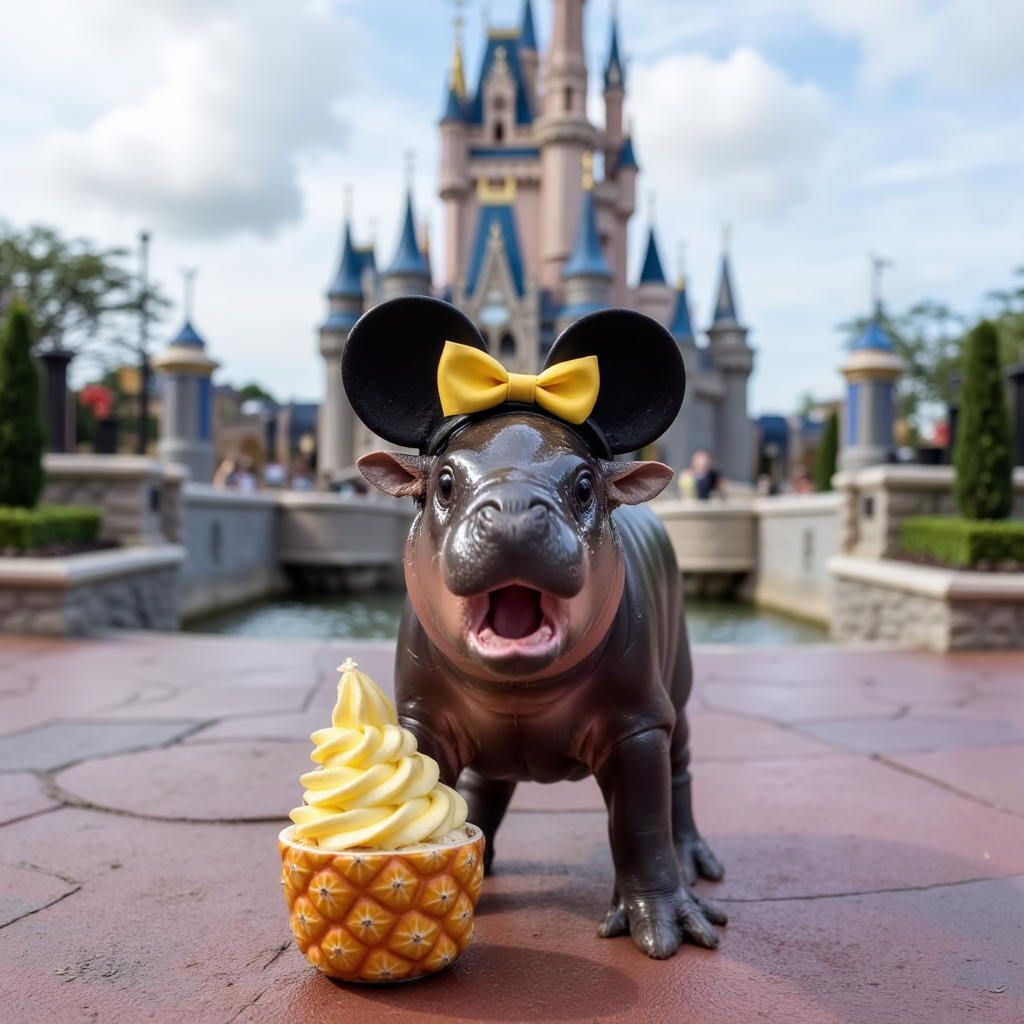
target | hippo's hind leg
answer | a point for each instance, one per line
(488, 800)
(696, 858)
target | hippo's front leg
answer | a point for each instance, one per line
(650, 901)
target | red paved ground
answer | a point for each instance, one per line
(869, 807)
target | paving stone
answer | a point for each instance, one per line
(994, 775)
(26, 891)
(227, 781)
(912, 733)
(21, 794)
(63, 743)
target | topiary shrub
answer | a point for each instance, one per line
(828, 453)
(27, 528)
(22, 434)
(984, 463)
(963, 542)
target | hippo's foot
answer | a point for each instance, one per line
(696, 860)
(658, 925)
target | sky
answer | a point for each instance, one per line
(823, 131)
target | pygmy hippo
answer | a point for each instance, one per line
(543, 637)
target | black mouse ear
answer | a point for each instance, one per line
(643, 379)
(389, 366)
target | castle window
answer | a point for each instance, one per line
(499, 131)
(568, 98)
(507, 345)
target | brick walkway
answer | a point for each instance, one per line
(869, 807)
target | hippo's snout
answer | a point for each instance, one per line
(513, 533)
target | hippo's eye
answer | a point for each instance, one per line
(584, 490)
(445, 486)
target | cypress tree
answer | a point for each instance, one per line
(22, 434)
(825, 463)
(984, 465)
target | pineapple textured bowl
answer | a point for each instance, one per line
(383, 915)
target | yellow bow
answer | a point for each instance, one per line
(469, 380)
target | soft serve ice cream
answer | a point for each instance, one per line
(372, 787)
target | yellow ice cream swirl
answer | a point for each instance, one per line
(371, 787)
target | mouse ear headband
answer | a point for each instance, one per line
(416, 369)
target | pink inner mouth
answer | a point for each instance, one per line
(514, 620)
(514, 612)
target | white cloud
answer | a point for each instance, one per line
(211, 147)
(976, 43)
(737, 129)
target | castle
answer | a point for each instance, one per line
(537, 205)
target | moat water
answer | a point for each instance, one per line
(375, 615)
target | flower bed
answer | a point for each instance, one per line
(965, 543)
(26, 529)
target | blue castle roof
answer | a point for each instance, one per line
(502, 216)
(188, 336)
(874, 336)
(586, 259)
(510, 44)
(725, 306)
(347, 283)
(527, 37)
(614, 73)
(652, 272)
(454, 109)
(408, 259)
(681, 328)
(627, 158)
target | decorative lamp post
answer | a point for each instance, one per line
(60, 427)
(186, 434)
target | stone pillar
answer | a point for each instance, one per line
(186, 429)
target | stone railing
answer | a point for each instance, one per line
(711, 536)
(876, 501)
(796, 536)
(140, 497)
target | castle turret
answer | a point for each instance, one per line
(564, 135)
(586, 277)
(614, 94)
(408, 273)
(734, 359)
(186, 429)
(455, 161)
(871, 373)
(653, 294)
(529, 58)
(337, 425)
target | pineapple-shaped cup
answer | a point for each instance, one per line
(381, 871)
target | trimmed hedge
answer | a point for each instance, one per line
(964, 542)
(48, 524)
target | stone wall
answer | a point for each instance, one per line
(879, 499)
(116, 589)
(917, 606)
(796, 536)
(140, 498)
(231, 540)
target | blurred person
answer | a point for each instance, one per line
(706, 478)
(227, 474)
(687, 486)
(802, 483)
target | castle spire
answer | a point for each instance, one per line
(347, 284)
(614, 73)
(527, 35)
(587, 259)
(682, 325)
(408, 257)
(725, 305)
(652, 271)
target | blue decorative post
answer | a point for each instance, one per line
(871, 373)
(186, 427)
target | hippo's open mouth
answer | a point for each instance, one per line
(514, 620)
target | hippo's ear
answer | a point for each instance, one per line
(643, 378)
(633, 483)
(397, 474)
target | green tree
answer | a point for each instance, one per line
(22, 434)
(984, 465)
(828, 452)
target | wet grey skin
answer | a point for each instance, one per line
(544, 639)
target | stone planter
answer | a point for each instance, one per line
(919, 606)
(128, 588)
